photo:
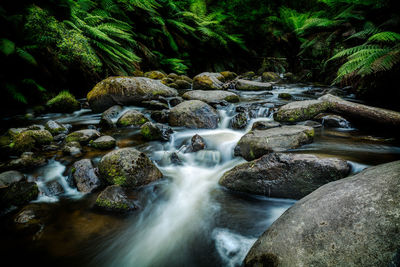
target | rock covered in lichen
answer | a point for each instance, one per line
(155, 131)
(128, 167)
(104, 142)
(55, 128)
(82, 136)
(301, 110)
(132, 118)
(27, 140)
(114, 198)
(84, 176)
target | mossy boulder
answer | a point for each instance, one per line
(155, 131)
(284, 175)
(155, 75)
(14, 132)
(257, 143)
(85, 176)
(55, 128)
(245, 85)
(228, 75)
(64, 102)
(211, 96)
(82, 136)
(18, 193)
(126, 91)
(115, 199)
(182, 84)
(301, 110)
(27, 160)
(248, 75)
(208, 81)
(265, 125)
(104, 143)
(193, 114)
(350, 222)
(27, 140)
(285, 96)
(72, 148)
(270, 77)
(128, 167)
(132, 118)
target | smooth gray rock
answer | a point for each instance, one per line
(350, 222)
(193, 114)
(211, 96)
(104, 142)
(114, 198)
(245, 85)
(284, 175)
(84, 176)
(9, 177)
(257, 143)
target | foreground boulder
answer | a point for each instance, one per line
(16, 190)
(128, 167)
(27, 140)
(194, 114)
(114, 198)
(350, 222)
(362, 112)
(212, 96)
(84, 176)
(246, 85)
(301, 110)
(257, 143)
(132, 118)
(208, 81)
(9, 177)
(126, 91)
(284, 175)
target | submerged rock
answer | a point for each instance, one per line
(211, 96)
(126, 91)
(331, 120)
(72, 148)
(208, 81)
(104, 142)
(160, 116)
(301, 110)
(128, 167)
(284, 175)
(285, 96)
(84, 176)
(197, 143)
(257, 143)
(114, 198)
(82, 136)
(28, 160)
(194, 114)
(132, 118)
(246, 85)
(155, 131)
(350, 222)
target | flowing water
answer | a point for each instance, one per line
(185, 219)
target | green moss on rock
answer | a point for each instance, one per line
(63, 102)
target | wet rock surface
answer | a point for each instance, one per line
(194, 114)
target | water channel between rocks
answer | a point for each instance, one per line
(185, 219)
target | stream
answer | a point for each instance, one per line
(185, 219)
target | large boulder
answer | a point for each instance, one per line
(126, 91)
(284, 175)
(114, 198)
(194, 114)
(246, 85)
(128, 167)
(84, 176)
(208, 81)
(350, 222)
(18, 193)
(83, 136)
(301, 110)
(257, 143)
(132, 118)
(211, 96)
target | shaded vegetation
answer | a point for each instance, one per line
(48, 46)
